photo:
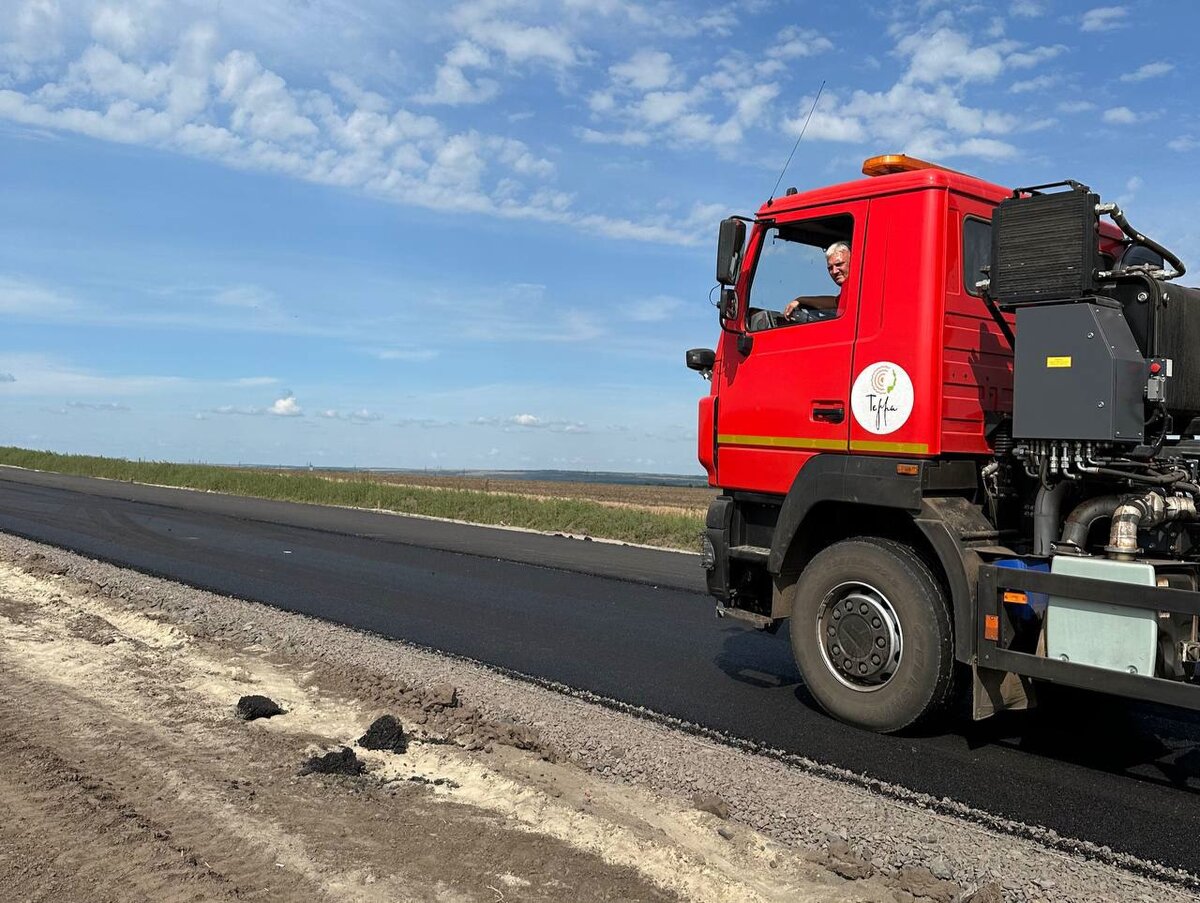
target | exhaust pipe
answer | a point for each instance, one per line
(1135, 514)
(1080, 521)
(1046, 510)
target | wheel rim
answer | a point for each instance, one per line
(859, 635)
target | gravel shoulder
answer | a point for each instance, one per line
(125, 774)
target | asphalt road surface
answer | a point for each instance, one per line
(634, 625)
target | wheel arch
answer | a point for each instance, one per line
(836, 497)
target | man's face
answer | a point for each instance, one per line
(838, 264)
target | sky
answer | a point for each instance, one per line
(481, 233)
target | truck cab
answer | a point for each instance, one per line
(864, 444)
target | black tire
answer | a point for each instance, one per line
(843, 596)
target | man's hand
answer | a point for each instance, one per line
(792, 307)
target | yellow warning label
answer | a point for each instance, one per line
(1058, 361)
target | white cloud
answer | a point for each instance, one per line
(286, 406)
(361, 415)
(519, 42)
(1120, 116)
(252, 297)
(1076, 106)
(412, 355)
(254, 381)
(262, 105)
(452, 85)
(925, 112)
(118, 27)
(1103, 18)
(794, 42)
(646, 70)
(1038, 83)
(1025, 59)
(530, 422)
(231, 109)
(655, 309)
(20, 297)
(1027, 9)
(32, 33)
(104, 407)
(1132, 185)
(910, 119)
(716, 109)
(41, 375)
(945, 54)
(1150, 70)
(1183, 143)
(628, 138)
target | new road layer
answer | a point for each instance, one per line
(633, 625)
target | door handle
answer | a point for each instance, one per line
(829, 412)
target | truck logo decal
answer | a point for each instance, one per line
(882, 398)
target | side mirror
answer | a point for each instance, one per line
(702, 361)
(729, 250)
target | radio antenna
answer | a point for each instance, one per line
(803, 128)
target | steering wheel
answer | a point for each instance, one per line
(799, 314)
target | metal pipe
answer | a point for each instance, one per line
(1079, 522)
(1149, 510)
(1047, 511)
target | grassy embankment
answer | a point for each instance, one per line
(360, 490)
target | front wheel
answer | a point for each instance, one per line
(871, 633)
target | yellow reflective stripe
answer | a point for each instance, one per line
(783, 442)
(904, 448)
(865, 445)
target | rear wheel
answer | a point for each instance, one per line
(871, 633)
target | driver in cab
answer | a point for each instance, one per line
(807, 309)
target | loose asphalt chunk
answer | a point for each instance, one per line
(385, 732)
(251, 707)
(710, 802)
(344, 761)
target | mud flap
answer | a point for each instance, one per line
(998, 691)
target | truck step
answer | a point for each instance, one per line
(762, 622)
(757, 554)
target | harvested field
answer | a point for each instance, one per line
(649, 498)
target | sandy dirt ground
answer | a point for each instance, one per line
(127, 775)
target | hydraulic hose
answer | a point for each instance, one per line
(1139, 238)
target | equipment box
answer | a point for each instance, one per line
(1096, 633)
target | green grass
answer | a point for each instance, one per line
(580, 516)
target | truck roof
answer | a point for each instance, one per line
(893, 183)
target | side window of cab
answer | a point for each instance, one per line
(799, 273)
(976, 252)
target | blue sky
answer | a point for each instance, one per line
(481, 234)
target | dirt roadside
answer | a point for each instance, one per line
(125, 775)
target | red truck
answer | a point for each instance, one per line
(973, 457)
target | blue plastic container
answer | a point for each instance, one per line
(1037, 601)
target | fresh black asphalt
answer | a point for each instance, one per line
(634, 625)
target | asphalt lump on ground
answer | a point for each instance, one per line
(343, 761)
(386, 733)
(255, 706)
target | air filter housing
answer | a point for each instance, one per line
(1044, 246)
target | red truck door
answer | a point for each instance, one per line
(788, 397)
